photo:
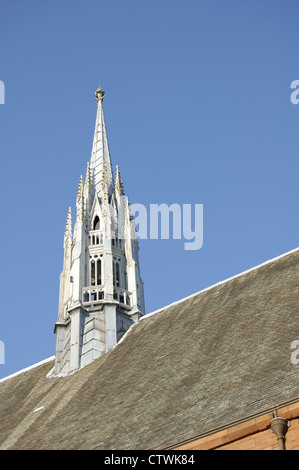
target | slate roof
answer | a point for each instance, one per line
(208, 361)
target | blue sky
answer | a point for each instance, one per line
(197, 110)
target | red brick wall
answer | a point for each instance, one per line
(254, 434)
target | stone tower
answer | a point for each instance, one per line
(101, 291)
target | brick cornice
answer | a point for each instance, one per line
(241, 430)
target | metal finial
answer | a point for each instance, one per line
(99, 94)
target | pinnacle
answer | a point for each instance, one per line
(88, 177)
(68, 226)
(80, 187)
(118, 182)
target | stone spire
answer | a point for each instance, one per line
(101, 290)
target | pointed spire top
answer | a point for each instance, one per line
(100, 149)
(118, 182)
(99, 94)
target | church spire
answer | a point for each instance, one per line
(101, 290)
(100, 149)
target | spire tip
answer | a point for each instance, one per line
(99, 94)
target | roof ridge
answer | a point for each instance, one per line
(272, 260)
(37, 364)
